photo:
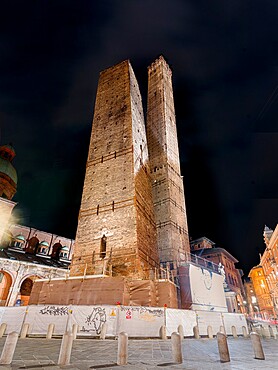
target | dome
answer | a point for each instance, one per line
(44, 244)
(20, 238)
(65, 248)
(8, 169)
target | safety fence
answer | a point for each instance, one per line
(136, 321)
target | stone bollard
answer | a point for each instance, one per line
(222, 329)
(65, 349)
(244, 332)
(122, 349)
(50, 331)
(75, 328)
(3, 328)
(223, 347)
(103, 331)
(9, 348)
(265, 332)
(196, 332)
(180, 331)
(24, 330)
(209, 331)
(257, 346)
(234, 333)
(163, 332)
(176, 348)
(271, 331)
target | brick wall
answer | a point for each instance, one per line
(117, 198)
(168, 192)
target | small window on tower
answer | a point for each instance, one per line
(103, 246)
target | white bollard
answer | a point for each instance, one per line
(3, 328)
(244, 332)
(234, 333)
(65, 350)
(180, 331)
(176, 348)
(196, 332)
(50, 331)
(24, 330)
(209, 331)
(122, 349)
(222, 329)
(265, 332)
(223, 347)
(163, 332)
(75, 328)
(271, 331)
(257, 346)
(103, 331)
(9, 348)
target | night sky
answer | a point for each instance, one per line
(224, 57)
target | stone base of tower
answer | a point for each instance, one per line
(94, 290)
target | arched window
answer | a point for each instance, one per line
(19, 241)
(103, 246)
(56, 250)
(43, 248)
(64, 253)
(32, 245)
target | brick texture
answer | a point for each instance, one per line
(116, 227)
(167, 183)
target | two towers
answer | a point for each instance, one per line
(132, 215)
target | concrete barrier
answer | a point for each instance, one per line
(75, 328)
(223, 347)
(180, 331)
(122, 349)
(196, 332)
(9, 348)
(209, 331)
(234, 333)
(65, 349)
(3, 328)
(103, 331)
(50, 331)
(176, 348)
(244, 332)
(24, 331)
(257, 346)
(163, 332)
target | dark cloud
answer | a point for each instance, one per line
(224, 60)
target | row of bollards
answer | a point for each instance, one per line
(122, 354)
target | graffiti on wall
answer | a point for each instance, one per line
(95, 320)
(54, 311)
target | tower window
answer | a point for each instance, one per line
(103, 246)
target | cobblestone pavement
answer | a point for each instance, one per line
(143, 354)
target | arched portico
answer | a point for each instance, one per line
(5, 285)
(26, 288)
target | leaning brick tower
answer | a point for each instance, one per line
(167, 183)
(116, 226)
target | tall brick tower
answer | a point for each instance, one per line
(167, 184)
(116, 226)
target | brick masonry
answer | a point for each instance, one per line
(167, 183)
(116, 227)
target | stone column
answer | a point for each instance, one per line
(223, 347)
(176, 348)
(257, 346)
(9, 348)
(122, 349)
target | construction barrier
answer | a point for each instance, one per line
(136, 321)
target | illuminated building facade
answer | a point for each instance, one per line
(260, 298)
(205, 248)
(26, 254)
